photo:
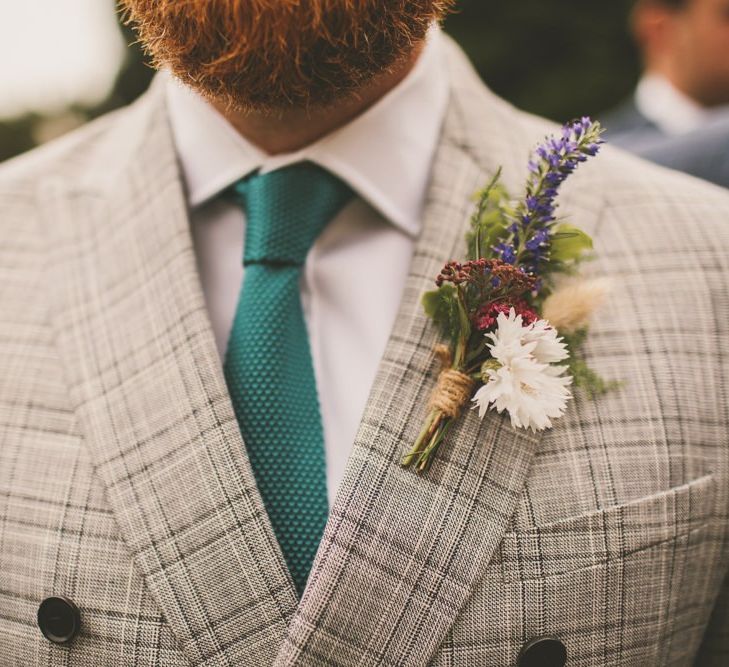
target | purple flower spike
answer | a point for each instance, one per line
(506, 252)
(553, 161)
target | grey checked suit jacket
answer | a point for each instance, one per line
(125, 486)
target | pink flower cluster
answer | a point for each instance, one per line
(486, 315)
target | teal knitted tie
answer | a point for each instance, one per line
(268, 365)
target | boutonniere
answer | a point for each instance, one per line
(515, 314)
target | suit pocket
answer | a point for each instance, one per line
(613, 533)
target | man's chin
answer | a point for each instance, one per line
(235, 97)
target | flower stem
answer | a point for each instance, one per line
(421, 443)
(465, 330)
(477, 351)
(426, 457)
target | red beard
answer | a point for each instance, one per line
(274, 55)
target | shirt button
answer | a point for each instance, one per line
(59, 619)
(543, 651)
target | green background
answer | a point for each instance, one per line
(556, 58)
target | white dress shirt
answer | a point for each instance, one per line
(672, 111)
(354, 275)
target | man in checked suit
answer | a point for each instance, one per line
(145, 507)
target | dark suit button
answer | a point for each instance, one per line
(59, 619)
(543, 652)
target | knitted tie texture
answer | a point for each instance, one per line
(268, 364)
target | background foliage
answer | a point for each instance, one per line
(556, 58)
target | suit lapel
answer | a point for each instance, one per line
(145, 377)
(401, 552)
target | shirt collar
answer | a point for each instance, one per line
(671, 110)
(384, 153)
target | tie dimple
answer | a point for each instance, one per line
(268, 364)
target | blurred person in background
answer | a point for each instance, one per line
(703, 153)
(685, 84)
(679, 113)
(213, 356)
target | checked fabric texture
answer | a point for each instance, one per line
(125, 484)
(268, 365)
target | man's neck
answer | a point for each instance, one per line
(293, 129)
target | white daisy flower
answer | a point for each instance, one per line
(549, 348)
(523, 380)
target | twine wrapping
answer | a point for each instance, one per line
(454, 388)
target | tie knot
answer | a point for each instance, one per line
(286, 210)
